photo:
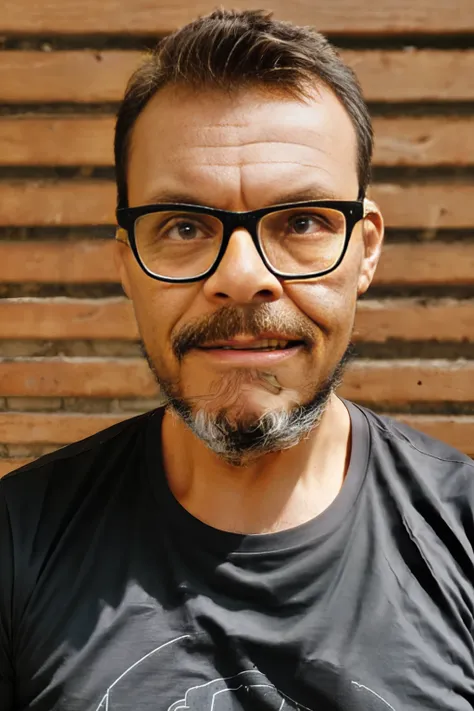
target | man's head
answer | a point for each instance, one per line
(237, 112)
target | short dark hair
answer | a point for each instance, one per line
(228, 50)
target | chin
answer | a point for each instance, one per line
(246, 414)
(247, 400)
(252, 423)
(246, 429)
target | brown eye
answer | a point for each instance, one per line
(303, 224)
(185, 230)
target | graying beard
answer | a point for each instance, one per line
(275, 430)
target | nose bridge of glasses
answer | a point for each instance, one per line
(241, 254)
(234, 221)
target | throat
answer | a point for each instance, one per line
(273, 491)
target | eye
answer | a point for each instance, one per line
(184, 230)
(306, 224)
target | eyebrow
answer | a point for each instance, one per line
(176, 197)
(306, 195)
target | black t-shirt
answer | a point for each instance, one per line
(114, 598)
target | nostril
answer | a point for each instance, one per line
(265, 294)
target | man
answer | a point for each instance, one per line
(258, 543)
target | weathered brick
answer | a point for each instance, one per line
(88, 141)
(142, 18)
(138, 404)
(91, 261)
(366, 380)
(40, 404)
(27, 451)
(428, 206)
(88, 76)
(9, 464)
(377, 321)
(31, 435)
(89, 405)
(31, 429)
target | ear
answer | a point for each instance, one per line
(372, 232)
(121, 255)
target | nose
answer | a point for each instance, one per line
(242, 276)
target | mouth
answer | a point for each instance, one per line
(245, 351)
(245, 344)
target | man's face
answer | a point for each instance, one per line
(242, 151)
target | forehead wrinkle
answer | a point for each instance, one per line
(286, 134)
(226, 152)
(238, 186)
(274, 148)
(251, 144)
(204, 173)
(209, 157)
(296, 121)
(261, 162)
(315, 142)
(277, 194)
(291, 129)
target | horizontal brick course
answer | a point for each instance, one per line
(371, 381)
(88, 141)
(33, 429)
(9, 464)
(63, 428)
(377, 321)
(92, 261)
(142, 18)
(92, 202)
(424, 152)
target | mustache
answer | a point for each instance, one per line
(231, 321)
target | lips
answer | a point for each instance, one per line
(262, 344)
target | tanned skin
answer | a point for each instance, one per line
(242, 151)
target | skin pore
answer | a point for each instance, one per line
(242, 151)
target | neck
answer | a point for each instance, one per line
(274, 492)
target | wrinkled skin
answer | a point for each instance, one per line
(243, 151)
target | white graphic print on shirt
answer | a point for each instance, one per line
(245, 689)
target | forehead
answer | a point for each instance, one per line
(214, 143)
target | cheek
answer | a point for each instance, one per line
(152, 318)
(339, 290)
(330, 301)
(158, 307)
(329, 304)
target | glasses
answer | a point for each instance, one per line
(185, 243)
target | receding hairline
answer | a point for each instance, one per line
(228, 49)
(306, 93)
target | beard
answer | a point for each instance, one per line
(234, 435)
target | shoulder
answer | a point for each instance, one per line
(72, 466)
(418, 468)
(52, 508)
(70, 492)
(417, 446)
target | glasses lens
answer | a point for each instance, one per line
(181, 244)
(303, 240)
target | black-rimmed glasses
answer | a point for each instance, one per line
(185, 243)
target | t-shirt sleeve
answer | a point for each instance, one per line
(6, 586)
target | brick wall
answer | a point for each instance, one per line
(69, 358)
